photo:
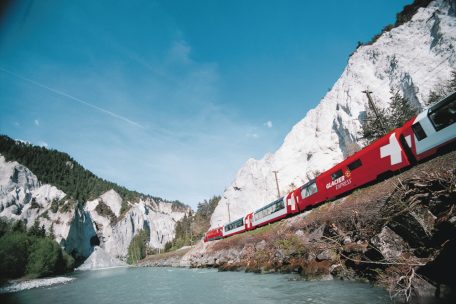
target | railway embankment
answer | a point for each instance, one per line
(399, 233)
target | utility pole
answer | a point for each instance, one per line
(229, 215)
(374, 108)
(277, 183)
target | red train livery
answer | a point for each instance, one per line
(419, 138)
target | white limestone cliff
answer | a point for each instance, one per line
(79, 228)
(413, 58)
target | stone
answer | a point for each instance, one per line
(411, 228)
(261, 245)
(327, 254)
(390, 245)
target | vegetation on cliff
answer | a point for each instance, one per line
(191, 228)
(138, 247)
(30, 253)
(60, 170)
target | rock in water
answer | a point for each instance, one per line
(100, 259)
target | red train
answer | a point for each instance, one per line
(417, 139)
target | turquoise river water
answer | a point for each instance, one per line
(179, 286)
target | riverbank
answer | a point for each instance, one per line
(398, 234)
(20, 285)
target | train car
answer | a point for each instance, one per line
(214, 234)
(270, 213)
(382, 157)
(432, 129)
(234, 227)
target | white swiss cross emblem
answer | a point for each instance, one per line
(393, 149)
(292, 202)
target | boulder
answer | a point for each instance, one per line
(327, 254)
(390, 245)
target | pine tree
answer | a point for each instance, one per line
(400, 111)
(433, 97)
(373, 126)
(452, 82)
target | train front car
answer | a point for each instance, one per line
(270, 213)
(234, 227)
(432, 129)
(214, 234)
(380, 159)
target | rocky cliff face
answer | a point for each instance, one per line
(413, 58)
(81, 227)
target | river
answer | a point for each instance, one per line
(179, 286)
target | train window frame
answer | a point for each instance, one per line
(309, 189)
(443, 108)
(234, 224)
(419, 132)
(269, 209)
(355, 164)
(337, 174)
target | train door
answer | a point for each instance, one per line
(248, 221)
(292, 202)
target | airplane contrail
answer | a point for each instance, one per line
(112, 114)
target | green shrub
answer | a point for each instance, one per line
(104, 210)
(138, 247)
(68, 261)
(45, 259)
(54, 205)
(13, 254)
(30, 252)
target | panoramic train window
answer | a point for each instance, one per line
(419, 132)
(309, 190)
(234, 225)
(269, 209)
(353, 165)
(443, 114)
(336, 174)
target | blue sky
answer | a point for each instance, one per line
(170, 98)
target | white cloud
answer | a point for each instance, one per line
(37, 122)
(252, 135)
(268, 124)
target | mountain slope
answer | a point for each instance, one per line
(413, 58)
(104, 216)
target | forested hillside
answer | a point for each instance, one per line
(61, 170)
(190, 229)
